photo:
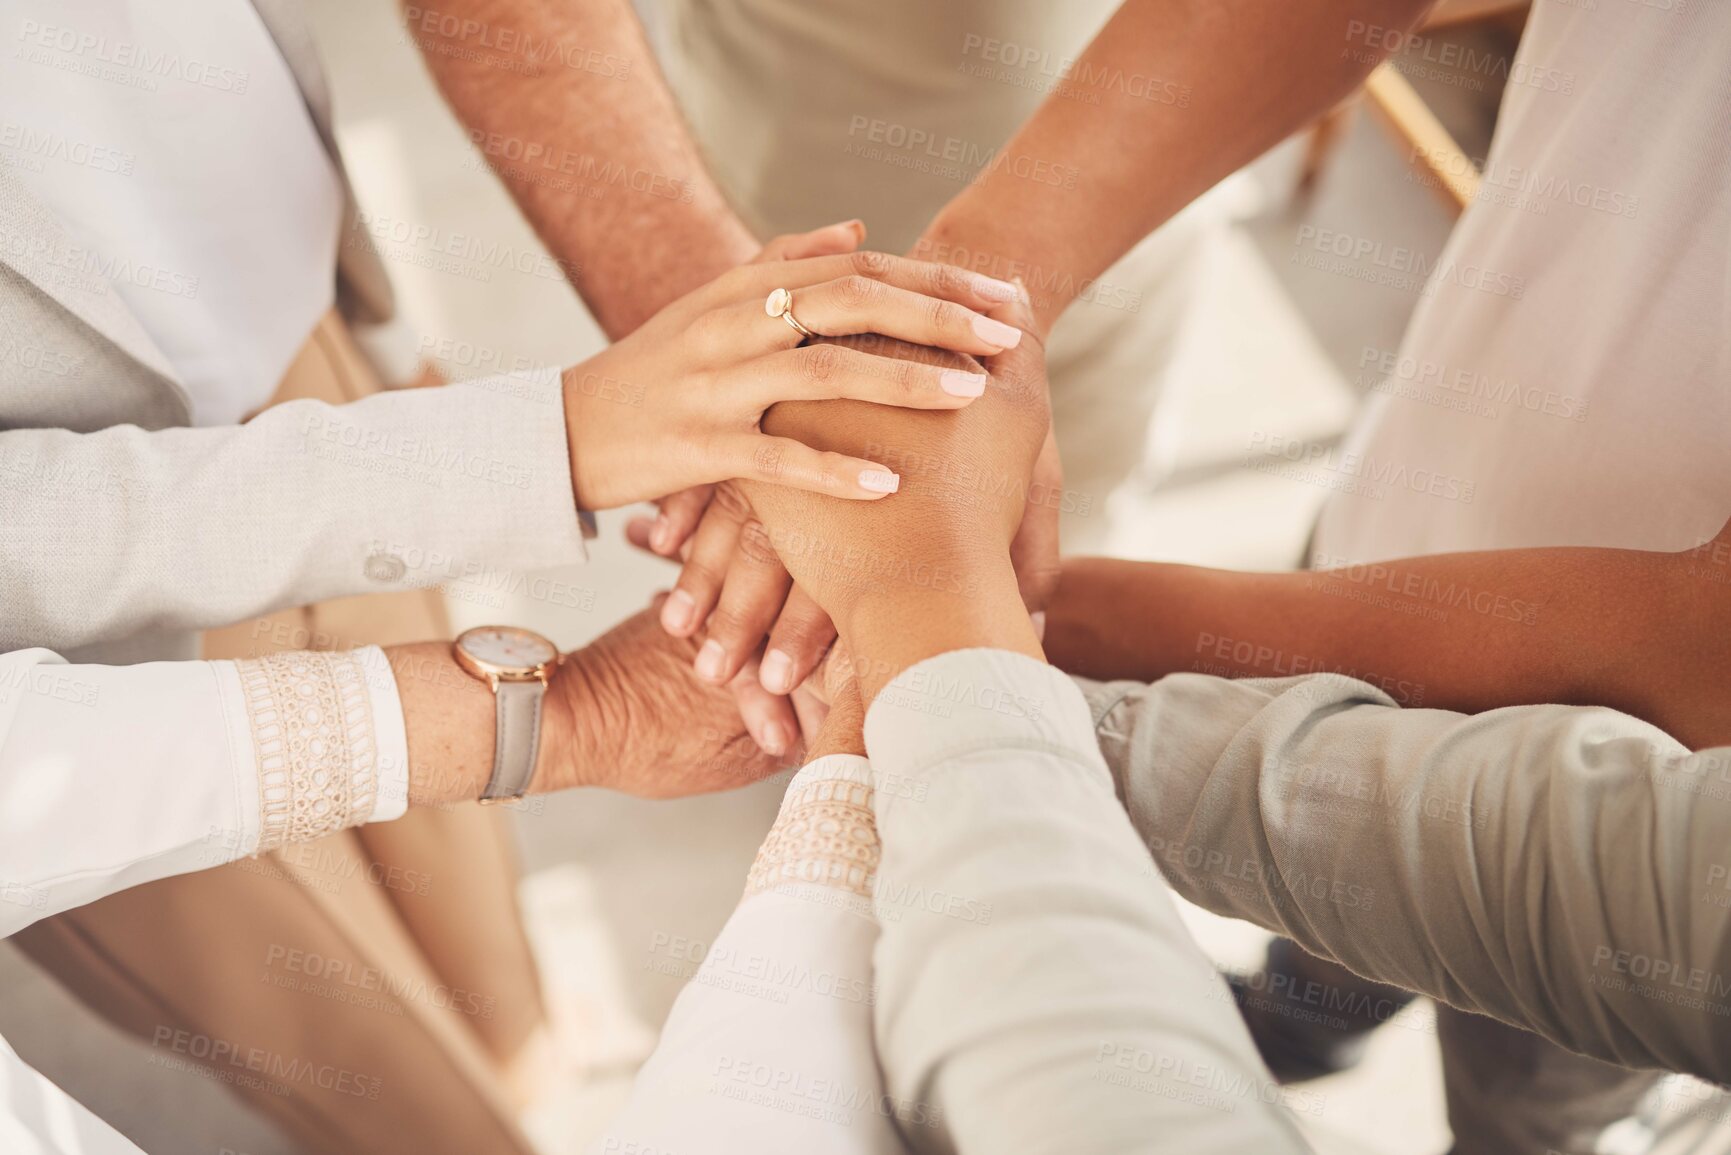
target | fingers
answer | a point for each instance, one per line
(843, 237)
(751, 596)
(753, 282)
(680, 513)
(801, 637)
(1021, 369)
(769, 718)
(1034, 549)
(784, 461)
(811, 711)
(824, 372)
(853, 305)
(706, 563)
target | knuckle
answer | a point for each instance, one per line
(729, 622)
(798, 636)
(868, 263)
(769, 462)
(906, 376)
(949, 280)
(856, 291)
(700, 577)
(755, 546)
(945, 315)
(820, 362)
(731, 503)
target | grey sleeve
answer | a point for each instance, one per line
(1563, 869)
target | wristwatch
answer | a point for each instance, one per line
(515, 664)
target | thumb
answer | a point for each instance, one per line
(1026, 363)
(842, 237)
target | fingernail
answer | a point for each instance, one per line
(662, 534)
(996, 332)
(879, 481)
(709, 661)
(858, 228)
(776, 673)
(961, 383)
(678, 611)
(1039, 620)
(774, 738)
(993, 289)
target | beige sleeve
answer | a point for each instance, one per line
(1562, 869)
(104, 535)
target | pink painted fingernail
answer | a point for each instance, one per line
(679, 612)
(879, 481)
(961, 383)
(993, 289)
(776, 674)
(997, 333)
(710, 660)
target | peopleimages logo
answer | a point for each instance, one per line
(152, 64)
(1409, 265)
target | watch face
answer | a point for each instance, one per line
(508, 648)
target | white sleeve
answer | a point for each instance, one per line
(111, 776)
(1035, 983)
(769, 1047)
(108, 534)
(38, 1118)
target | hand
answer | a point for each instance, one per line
(929, 570)
(679, 402)
(625, 712)
(843, 729)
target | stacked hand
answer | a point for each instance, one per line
(736, 591)
(679, 402)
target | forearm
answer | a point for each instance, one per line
(1170, 98)
(1557, 868)
(1632, 630)
(566, 103)
(1054, 1000)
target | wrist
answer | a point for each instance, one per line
(568, 756)
(448, 718)
(889, 631)
(583, 448)
(960, 235)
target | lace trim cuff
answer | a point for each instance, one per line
(825, 835)
(314, 744)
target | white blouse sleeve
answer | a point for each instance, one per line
(1036, 987)
(111, 776)
(769, 1047)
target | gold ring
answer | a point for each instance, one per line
(780, 304)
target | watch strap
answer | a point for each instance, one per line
(517, 738)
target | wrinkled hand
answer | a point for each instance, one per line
(627, 713)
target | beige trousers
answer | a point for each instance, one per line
(372, 992)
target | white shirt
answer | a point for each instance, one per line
(242, 757)
(173, 141)
(1028, 986)
(1569, 382)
